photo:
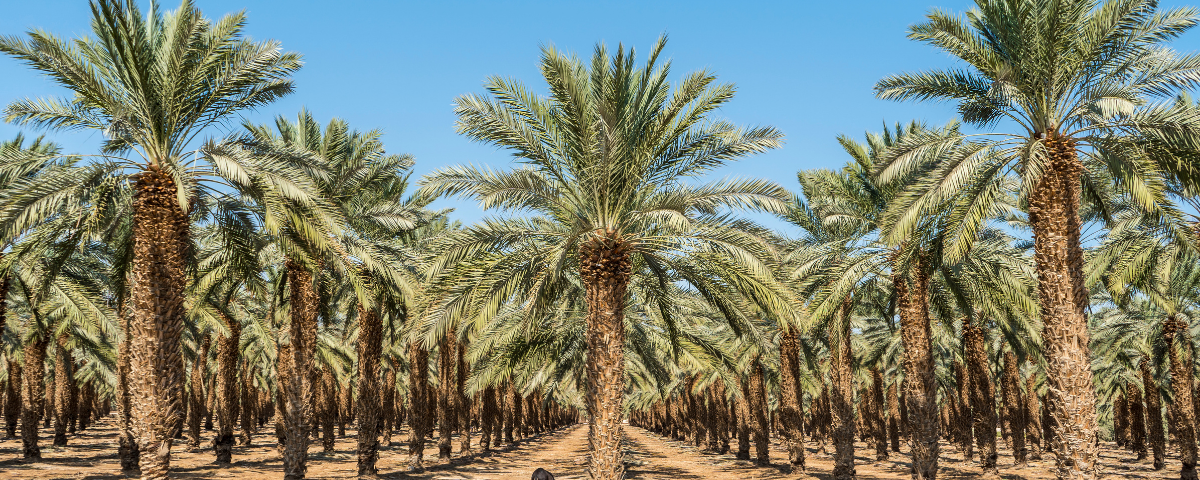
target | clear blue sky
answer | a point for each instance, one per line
(805, 67)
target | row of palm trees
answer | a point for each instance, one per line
(290, 273)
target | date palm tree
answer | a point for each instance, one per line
(151, 83)
(608, 157)
(1074, 80)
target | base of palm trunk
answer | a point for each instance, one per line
(223, 446)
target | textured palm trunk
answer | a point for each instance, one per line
(841, 397)
(227, 390)
(327, 403)
(878, 424)
(789, 401)
(249, 406)
(1121, 420)
(721, 412)
(346, 407)
(1154, 424)
(1033, 431)
(33, 396)
(196, 396)
(12, 398)
(63, 377)
(464, 410)
(743, 421)
(489, 432)
(894, 417)
(48, 403)
(84, 411)
(388, 410)
(1014, 403)
(418, 386)
(921, 387)
(157, 279)
(518, 415)
(966, 442)
(511, 411)
(297, 408)
(983, 397)
(1137, 421)
(370, 347)
(605, 271)
(1054, 216)
(1179, 352)
(447, 397)
(758, 414)
(127, 446)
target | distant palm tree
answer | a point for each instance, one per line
(152, 84)
(608, 158)
(1074, 78)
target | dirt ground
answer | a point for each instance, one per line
(93, 455)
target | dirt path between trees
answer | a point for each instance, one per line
(92, 455)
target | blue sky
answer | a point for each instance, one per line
(805, 67)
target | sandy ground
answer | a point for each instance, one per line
(92, 455)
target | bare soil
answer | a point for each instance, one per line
(92, 454)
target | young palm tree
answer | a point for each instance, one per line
(151, 83)
(1059, 72)
(606, 157)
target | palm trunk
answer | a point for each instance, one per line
(345, 406)
(418, 386)
(388, 391)
(1016, 412)
(758, 414)
(297, 411)
(33, 396)
(490, 432)
(12, 397)
(464, 409)
(509, 411)
(1179, 351)
(249, 407)
(842, 394)
(62, 390)
(893, 417)
(1154, 424)
(87, 395)
(965, 440)
(1137, 421)
(1054, 216)
(605, 270)
(721, 415)
(328, 406)
(227, 390)
(447, 397)
(127, 446)
(983, 398)
(161, 244)
(1121, 420)
(878, 426)
(789, 402)
(1032, 410)
(921, 391)
(196, 403)
(370, 347)
(743, 421)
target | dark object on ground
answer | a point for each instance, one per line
(542, 474)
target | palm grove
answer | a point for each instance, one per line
(1025, 275)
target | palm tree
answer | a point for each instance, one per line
(1058, 71)
(606, 156)
(122, 89)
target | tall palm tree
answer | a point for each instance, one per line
(607, 157)
(152, 83)
(1059, 72)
